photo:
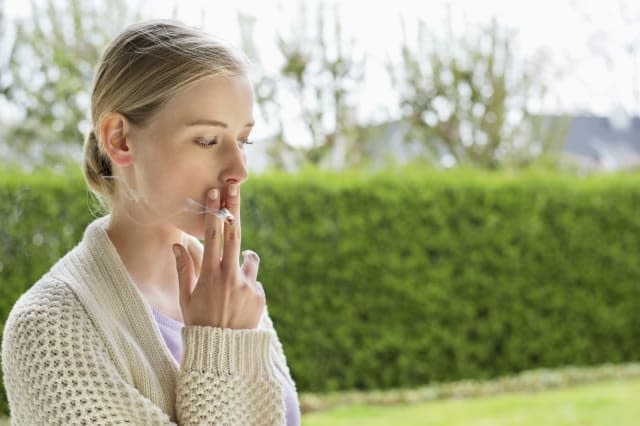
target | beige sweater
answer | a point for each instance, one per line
(81, 347)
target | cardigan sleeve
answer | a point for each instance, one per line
(58, 371)
(277, 349)
(227, 378)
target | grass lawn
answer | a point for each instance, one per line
(615, 403)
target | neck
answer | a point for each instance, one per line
(145, 250)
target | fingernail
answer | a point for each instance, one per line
(233, 189)
(252, 254)
(213, 193)
(176, 251)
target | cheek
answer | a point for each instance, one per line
(173, 174)
(163, 180)
(183, 179)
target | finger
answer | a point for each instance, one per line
(212, 234)
(196, 257)
(232, 235)
(186, 278)
(260, 289)
(251, 264)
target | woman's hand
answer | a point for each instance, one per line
(223, 295)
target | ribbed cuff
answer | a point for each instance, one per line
(226, 351)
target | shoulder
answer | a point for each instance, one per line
(47, 328)
(49, 292)
(49, 305)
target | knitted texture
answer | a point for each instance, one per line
(81, 347)
(215, 365)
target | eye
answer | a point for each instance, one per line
(206, 143)
(245, 142)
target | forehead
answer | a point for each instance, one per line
(228, 99)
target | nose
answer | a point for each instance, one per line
(235, 170)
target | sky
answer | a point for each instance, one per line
(563, 29)
(584, 40)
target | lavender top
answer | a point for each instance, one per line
(171, 331)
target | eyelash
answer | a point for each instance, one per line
(208, 143)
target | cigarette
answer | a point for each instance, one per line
(225, 215)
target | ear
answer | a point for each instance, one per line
(114, 132)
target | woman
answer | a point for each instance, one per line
(140, 323)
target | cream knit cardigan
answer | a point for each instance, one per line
(81, 347)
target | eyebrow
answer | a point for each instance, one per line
(205, 122)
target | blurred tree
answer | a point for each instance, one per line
(320, 74)
(618, 44)
(4, 41)
(51, 67)
(468, 101)
(265, 92)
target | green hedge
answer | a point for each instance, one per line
(403, 278)
(41, 217)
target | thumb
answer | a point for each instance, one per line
(186, 279)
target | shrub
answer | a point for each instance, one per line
(401, 279)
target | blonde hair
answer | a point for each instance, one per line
(138, 72)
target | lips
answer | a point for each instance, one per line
(223, 197)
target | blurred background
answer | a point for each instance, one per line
(341, 84)
(473, 167)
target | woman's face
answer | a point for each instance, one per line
(194, 143)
